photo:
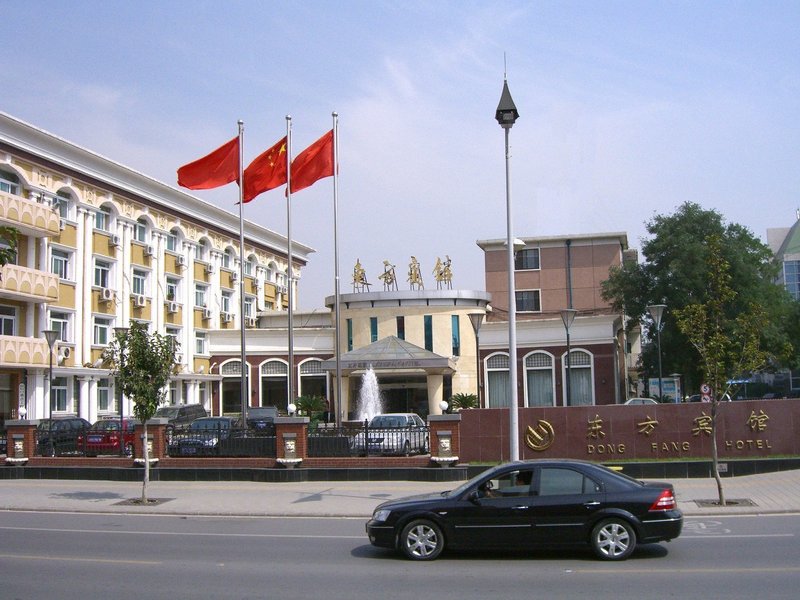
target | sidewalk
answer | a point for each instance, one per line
(769, 493)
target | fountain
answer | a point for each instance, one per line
(370, 402)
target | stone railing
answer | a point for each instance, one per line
(16, 351)
(28, 215)
(29, 284)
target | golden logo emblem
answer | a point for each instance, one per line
(540, 438)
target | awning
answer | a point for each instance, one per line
(392, 354)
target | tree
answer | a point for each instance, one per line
(674, 272)
(142, 365)
(729, 346)
(8, 245)
(462, 401)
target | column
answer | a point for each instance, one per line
(435, 393)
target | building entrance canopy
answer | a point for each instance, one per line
(392, 354)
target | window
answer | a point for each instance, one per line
(528, 301)
(6, 246)
(250, 267)
(139, 282)
(201, 250)
(172, 241)
(456, 332)
(200, 292)
(173, 285)
(202, 393)
(526, 259)
(249, 307)
(8, 320)
(61, 204)
(140, 230)
(104, 395)
(102, 331)
(581, 388)
(497, 381)
(59, 263)
(274, 383)
(428, 323)
(59, 399)
(373, 329)
(200, 342)
(9, 183)
(102, 273)
(559, 482)
(508, 485)
(349, 334)
(225, 301)
(102, 219)
(401, 328)
(539, 379)
(791, 277)
(60, 322)
(313, 380)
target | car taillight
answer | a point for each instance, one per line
(666, 501)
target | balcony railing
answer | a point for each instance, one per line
(30, 217)
(23, 283)
(16, 351)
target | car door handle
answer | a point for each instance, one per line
(591, 504)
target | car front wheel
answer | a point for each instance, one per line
(422, 540)
(613, 539)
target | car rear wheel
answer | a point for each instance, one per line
(613, 539)
(422, 540)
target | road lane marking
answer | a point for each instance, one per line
(74, 559)
(683, 571)
(189, 533)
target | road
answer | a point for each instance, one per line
(119, 556)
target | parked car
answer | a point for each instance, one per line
(393, 433)
(202, 437)
(532, 504)
(60, 436)
(104, 438)
(180, 415)
(641, 401)
(262, 419)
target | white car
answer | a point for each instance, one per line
(393, 433)
(641, 401)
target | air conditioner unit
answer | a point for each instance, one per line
(251, 321)
(149, 250)
(210, 269)
(234, 276)
(63, 354)
(172, 307)
(115, 240)
(179, 357)
(227, 317)
(139, 300)
(207, 313)
(106, 294)
(180, 260)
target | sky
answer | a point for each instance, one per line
(627, 109)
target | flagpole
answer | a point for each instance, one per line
(245, 366)
(290, 270)
(338, 406)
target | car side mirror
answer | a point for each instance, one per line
(474, 496)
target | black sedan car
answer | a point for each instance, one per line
(532, 504)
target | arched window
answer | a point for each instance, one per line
(497, 381)
(62, 204)
(103, 218)
(229, 258)
(581, 370)
(173, 239)
(313, 379)
(9, 183)
(539, 379)
(202, 250)
(275, 384)
(141, 230)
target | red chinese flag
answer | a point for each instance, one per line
(313, 163)
(266, 172)
(216, 169)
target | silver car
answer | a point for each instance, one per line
(393, 433)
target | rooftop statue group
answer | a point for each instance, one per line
(442, 273)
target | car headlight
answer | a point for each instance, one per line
(381, 515)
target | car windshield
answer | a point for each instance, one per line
(387, 421)
(167, 412)
(106, 426)
(202, 424)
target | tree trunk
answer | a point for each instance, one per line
(146, 455)
(714, 453)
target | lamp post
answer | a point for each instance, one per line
(477, 320)
(121, 333)
(567, 317)
(51, 335)
(657, 311)
(506, 115)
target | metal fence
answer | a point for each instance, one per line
(221, 442)
(361, 440)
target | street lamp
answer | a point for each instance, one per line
(506, 115)
(476, 319)
(656, 311)
(567, 317)
(51, 335)
(121, 334)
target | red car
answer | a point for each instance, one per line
(103, 438)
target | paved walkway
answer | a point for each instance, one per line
(769, 493)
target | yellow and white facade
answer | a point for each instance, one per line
(101, 245)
